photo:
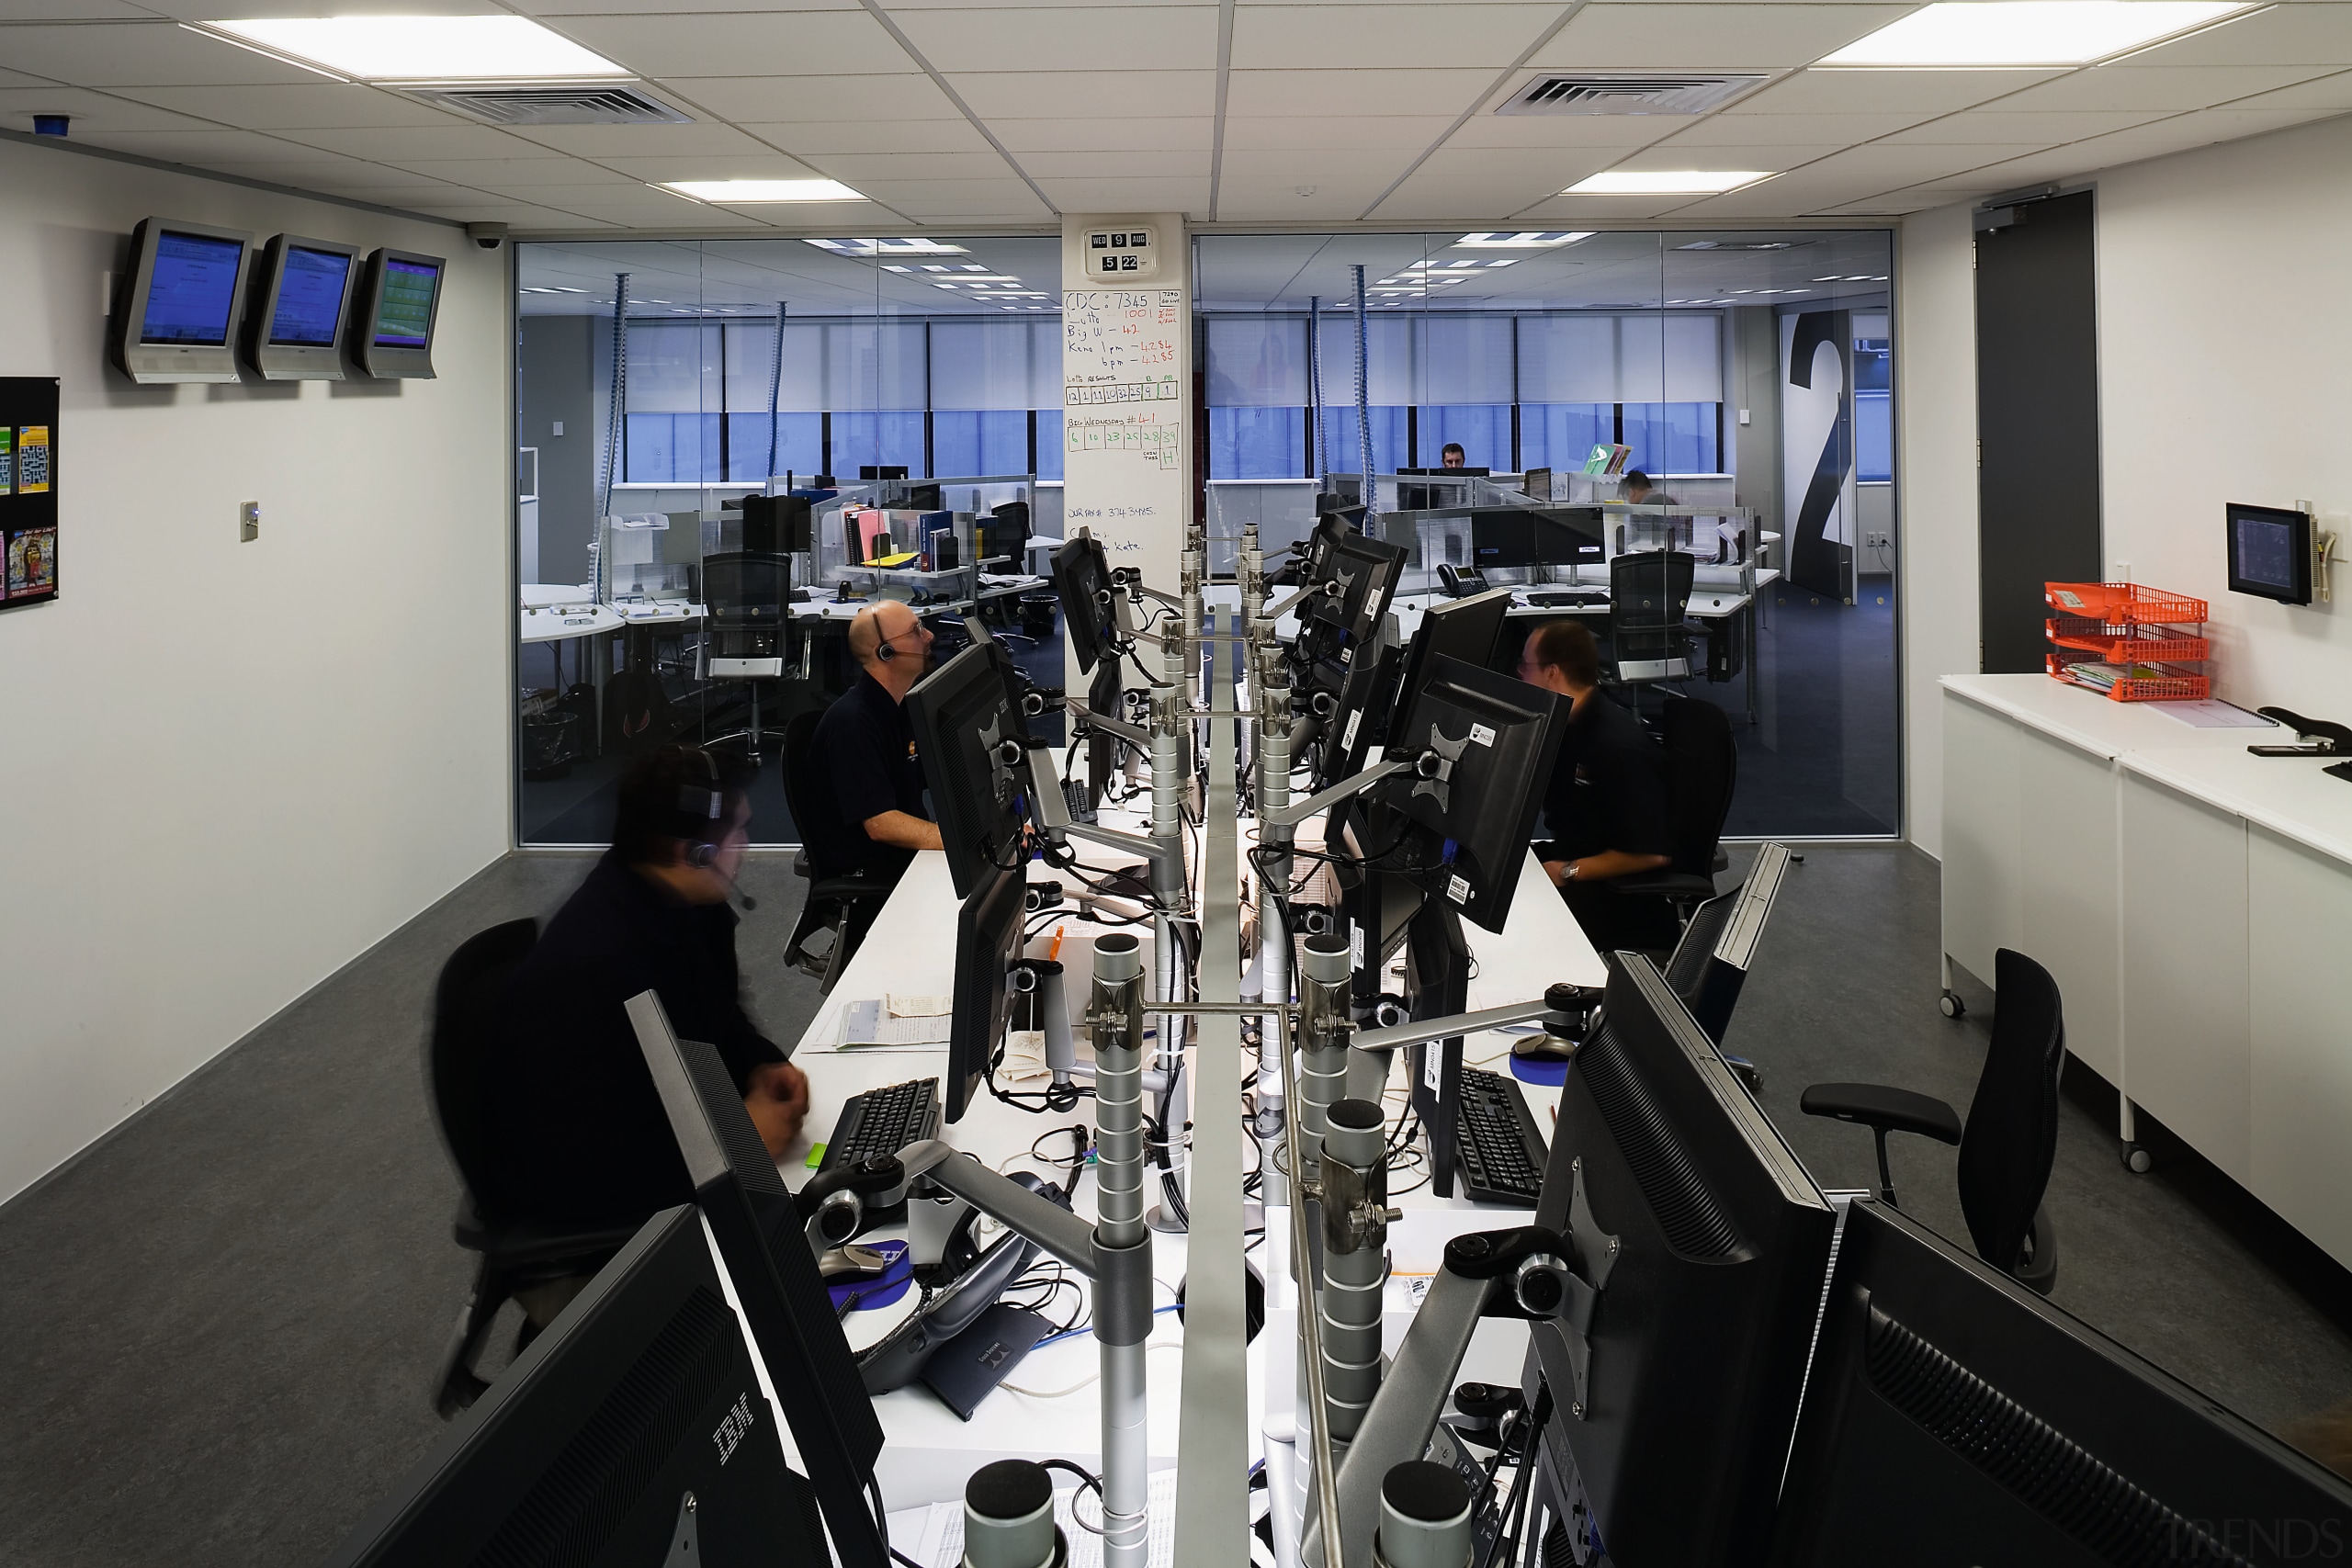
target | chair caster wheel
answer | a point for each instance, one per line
(1951, 1005)
(2137, 1159)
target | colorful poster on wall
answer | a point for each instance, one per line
(32, 563)
(32, 460)
(28, 510)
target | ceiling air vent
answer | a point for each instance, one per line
(1623, 92)
(577, 104)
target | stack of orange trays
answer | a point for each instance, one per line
(2127, 642)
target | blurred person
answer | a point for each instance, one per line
(579, 1133)
(869, 814)
(1607, 808)
(1640, 492)
(1454, 457)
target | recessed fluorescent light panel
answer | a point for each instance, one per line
(1668, 182)
(905, 246)
(1522, 240)
(737, 192)
(424, 48)
(2028, 32)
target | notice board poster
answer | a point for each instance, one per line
(28, 487)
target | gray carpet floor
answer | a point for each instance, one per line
(219, 1326)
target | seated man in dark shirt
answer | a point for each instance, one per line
(580, 1134)
(1607, 808)
(869, 814)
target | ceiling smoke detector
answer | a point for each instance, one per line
(1627, 92)
(582, 103)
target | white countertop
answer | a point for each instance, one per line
(2083, 719)
(2293, 797)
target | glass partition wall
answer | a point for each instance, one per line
(1747, 373)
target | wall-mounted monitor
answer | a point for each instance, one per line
(2271, 552)
(399, 299)
(301, 296)
(179, 317)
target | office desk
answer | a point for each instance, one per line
(2189, 899)
(929, 1453)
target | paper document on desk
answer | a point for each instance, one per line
(2213, 713)
(933, 1536)
(901, 1005)
(862, 1025)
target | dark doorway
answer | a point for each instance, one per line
(2037, 419)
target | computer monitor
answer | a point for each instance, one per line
(1468, 629)
(1351, 579)
(1491, 740)
(2271, 552)
(1709, 1243)
(762, 1241)
(987, 942)
(632, 1431)
(1953, 1416)
(178, 319)
(400, 302)
(1083, 582)
(1516, 537)
(873, 472)
(302, 297)
(969, 733)
(777, 525)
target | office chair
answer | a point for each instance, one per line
(515, 1252)
(2011, 1139)
(1701, 774)
(1710, 963)
(842, 901)
(1648, 592)
(746, 592)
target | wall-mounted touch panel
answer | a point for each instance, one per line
(400, 300)
(302, 297)
(178, 320)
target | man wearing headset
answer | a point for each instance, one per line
(577, 1130)
(868, 815)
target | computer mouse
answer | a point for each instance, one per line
(852, 1262)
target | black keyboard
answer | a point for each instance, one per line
(1496, 1143)
(882, 1122)
(1562, 598)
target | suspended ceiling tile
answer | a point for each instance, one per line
(1886, 91)
(640, 140)
(554, 10)
(1106, 133)
(1075, 94)
(1683, 153)
(1352, 94)
(762, 165)
(812, 42)
(1610, 35)
(514, 214)
(2164, 88)
(860, 169)
(1313, 133)
(340, 175)
(1792, 129)
(310, 106)
(126, 54)
(2323, 93)
(1255, 200)
(982, 201)
(1583, 211)
(499, 173)
(198, 147)
(91, 112)
(1148, 193)
(73, 11)
(1871, 169)
(1458, 33)
(1058, 39)
(2315, 32)
(812, 139)
(1328, 167)
(1112, 165)
(844, 100)
(1531, 132)
(2051, 126)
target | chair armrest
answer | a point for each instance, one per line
(1665, 884)
(1878, 1105)
(800, 866)
(854, 887)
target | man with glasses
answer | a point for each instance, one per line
(1607, 808)
(869, 814)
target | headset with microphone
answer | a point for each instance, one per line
(700, 809)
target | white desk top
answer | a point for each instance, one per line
(928, 1452)
(2293, 797)
(2091, 723)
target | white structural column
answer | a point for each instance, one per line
(1126, 391)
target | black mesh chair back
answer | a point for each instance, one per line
(2011, 1137)
(1007, 532)
(747, 590)
(1702, 771)
(1649, 593)
(800, 784)
(463, 1004)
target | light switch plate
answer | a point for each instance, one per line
(248, 521)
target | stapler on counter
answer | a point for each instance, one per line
(2319, 737)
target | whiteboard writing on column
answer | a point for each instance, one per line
(1122, 413)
